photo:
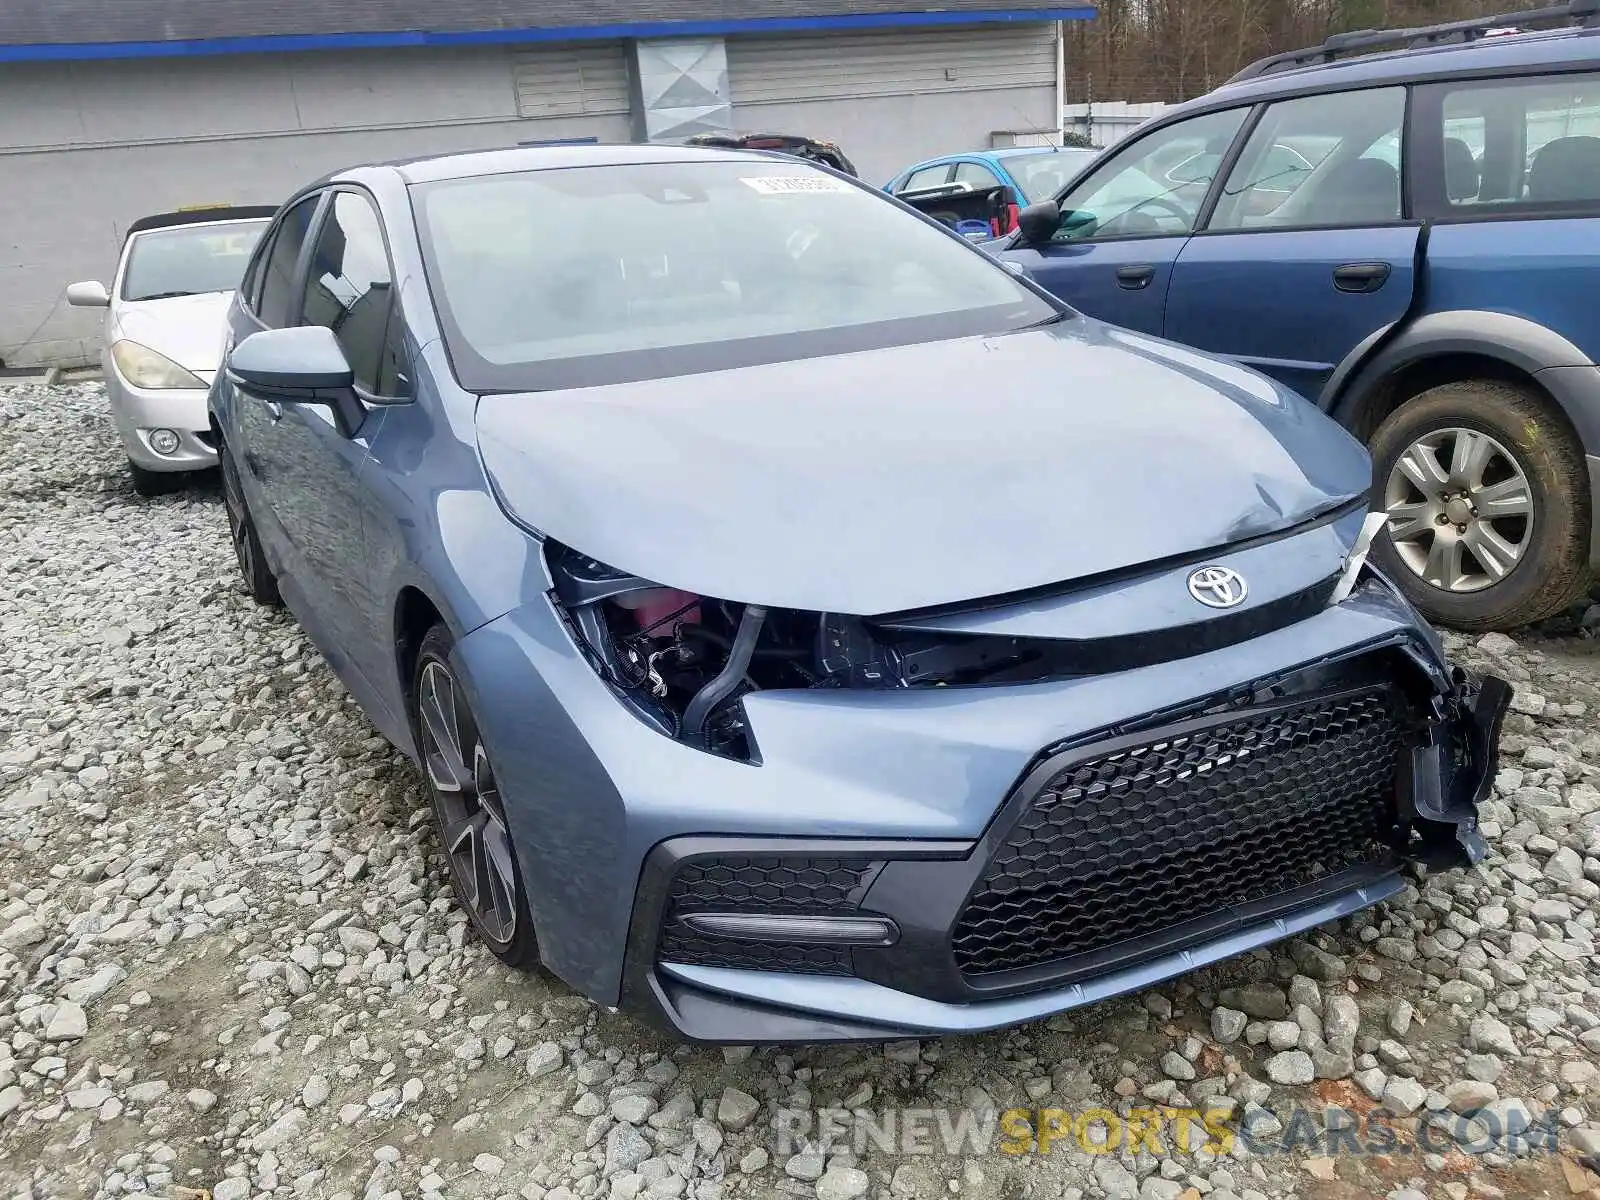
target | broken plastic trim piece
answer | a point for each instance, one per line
(1357, 558)
(1449, 774)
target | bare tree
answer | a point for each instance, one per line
(1167, 50)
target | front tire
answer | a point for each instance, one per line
(1489, 505)
(259, 580)
(469, 813)
(155, 483)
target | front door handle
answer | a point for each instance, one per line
(1131, 279)
(274, 410)
(1360, 277)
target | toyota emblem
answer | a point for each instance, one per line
(1218, 587)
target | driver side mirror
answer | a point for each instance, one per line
(1039, 222)
(91, 293)
(301, 365)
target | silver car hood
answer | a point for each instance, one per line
(187, 329)
(920, 475)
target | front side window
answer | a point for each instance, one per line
(564, 278)
(1331, 160)
(349, 289)
(277, 274)
(189, 260)
(975, 175)
(1154, 187)
(927, 177)
(1522, 145)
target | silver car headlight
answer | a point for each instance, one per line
(144, 368)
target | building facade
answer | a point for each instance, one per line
(112, 109)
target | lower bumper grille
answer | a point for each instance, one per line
(762, 884)
(1167, 828)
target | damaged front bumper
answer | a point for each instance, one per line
(1448, 775)
(1293, 805)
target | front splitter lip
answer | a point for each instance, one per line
(728, 1006)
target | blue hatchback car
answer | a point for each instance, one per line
(1033, 173)
(1403, 226)
(807, 628)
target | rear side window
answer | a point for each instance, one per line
(1519, 145)
(1327, 161)
(277, 273)
(349, 289)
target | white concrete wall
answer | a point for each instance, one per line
(88, 147)
(893, 98)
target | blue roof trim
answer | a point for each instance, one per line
(66, 51)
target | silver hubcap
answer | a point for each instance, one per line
(472, 819)
(1460, 510)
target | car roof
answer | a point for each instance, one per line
(1556, 49)
(550, 158)
(1031, 151)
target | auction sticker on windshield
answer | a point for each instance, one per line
(786, 185)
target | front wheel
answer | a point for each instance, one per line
(1488, 505)
(469, 812)
(155, 483)
(259, 580)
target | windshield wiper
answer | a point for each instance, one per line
(166, 295)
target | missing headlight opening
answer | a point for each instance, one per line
(683, 661)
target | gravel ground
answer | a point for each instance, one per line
(229, 961)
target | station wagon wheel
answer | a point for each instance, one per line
(469, 811)
(1460, 509)
(259, 580)
(1487, 495)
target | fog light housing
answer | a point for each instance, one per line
(164, 441)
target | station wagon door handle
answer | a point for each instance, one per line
(1360, 277)
(1131, 279)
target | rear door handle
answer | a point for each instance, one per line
(1360, 277)
(1131, 279)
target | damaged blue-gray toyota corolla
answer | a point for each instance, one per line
(809, 630)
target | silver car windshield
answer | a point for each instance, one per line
(602, 274)
(189, 259)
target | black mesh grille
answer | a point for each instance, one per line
(755, 884)
(1135, 842)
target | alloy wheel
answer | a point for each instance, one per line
(238, 521)
(472, 819)
(1460, 509)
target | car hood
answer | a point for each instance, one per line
(920, 475)
(187, 329)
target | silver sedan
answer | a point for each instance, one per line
(163, 334)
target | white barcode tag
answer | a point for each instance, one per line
(790, 185)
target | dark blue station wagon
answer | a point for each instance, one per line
(1403, 226)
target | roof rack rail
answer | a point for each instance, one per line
(1576, 12)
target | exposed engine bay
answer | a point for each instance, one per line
(684, 660)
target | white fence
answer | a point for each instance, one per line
(1106, 121)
